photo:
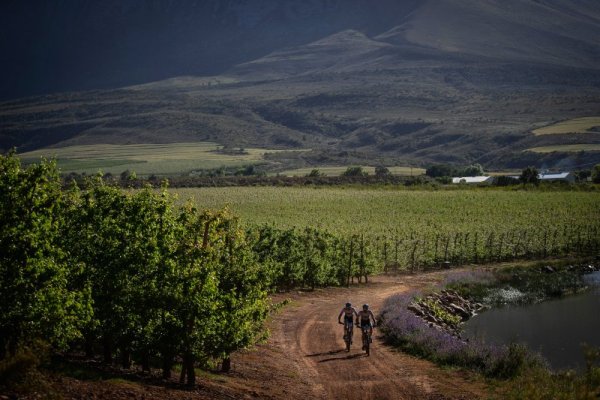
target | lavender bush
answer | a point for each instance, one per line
(412, 334)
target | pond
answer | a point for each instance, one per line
(555, 328)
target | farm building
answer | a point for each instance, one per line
(474, 180)
(562, 176)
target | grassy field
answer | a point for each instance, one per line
(577, 125)
(387, 212)
(146, 159)
(567, 148)
(337, 171)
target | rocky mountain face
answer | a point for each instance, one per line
(389, 80)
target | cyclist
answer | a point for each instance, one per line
(365, 316)
(349, 312)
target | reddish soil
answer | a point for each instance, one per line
(305, 358)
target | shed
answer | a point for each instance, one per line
(561, 176)
(474, 180)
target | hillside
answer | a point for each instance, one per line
(400, 82)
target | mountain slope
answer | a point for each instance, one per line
(544, 31)
(449, 80)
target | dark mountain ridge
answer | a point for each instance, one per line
(399, 81)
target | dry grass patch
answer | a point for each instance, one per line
(576, 125)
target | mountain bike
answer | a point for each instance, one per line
(348, 331)
(366, 338)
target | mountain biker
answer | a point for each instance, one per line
(349, 312)
(365, 316)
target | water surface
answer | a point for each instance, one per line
(555, 328)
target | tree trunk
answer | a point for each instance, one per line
(183, 373)
(89, 346)
(226, 365)
(167, 366)
(145, 361)
(191, 372)
(125, 359)
(107, 347)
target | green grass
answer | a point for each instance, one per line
(567, 148)
(337, 171)
(577, 125)
(146, 159)
(385, 212)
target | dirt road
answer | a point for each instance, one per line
(305, 356)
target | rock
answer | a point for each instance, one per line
(464, 314)
(416, 309)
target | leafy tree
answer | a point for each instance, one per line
(315, 173)
(596, 173)
(38, 298)
(439, 170)
(241, 306)
(354, 171)
(380, 170)
(472, 170)
(530, 175)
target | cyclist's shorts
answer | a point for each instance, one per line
(348, 320)
(364, 323)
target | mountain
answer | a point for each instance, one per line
(393, 81)
(66, 45)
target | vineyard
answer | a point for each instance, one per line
(413, 229)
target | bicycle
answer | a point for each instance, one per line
(348, 332)
(366, 338)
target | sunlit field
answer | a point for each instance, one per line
(337, 171)
(146, 159)
(576, 125)
(567, 148)
(387, 212)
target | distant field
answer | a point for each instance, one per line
(385, 212)
(568, 148)
(337, 171)
(577, 125)
(146, 159)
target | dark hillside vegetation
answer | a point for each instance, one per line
(433, 81)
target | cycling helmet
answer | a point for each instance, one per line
(365, 306)
(348, 304)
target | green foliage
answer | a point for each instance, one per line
(530, 175)
(354, 171)
(540, 383)
(314, 173)
(596, 173)
(39, 296)
(445, 170)
(380, 170)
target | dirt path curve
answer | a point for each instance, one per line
(306, 358)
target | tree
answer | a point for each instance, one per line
(596, 173)
(354, 171)
(530, 175)
(315, 173)
(439, 170)
(39, 299)
(241, 305)
(472, 170)
(380, 170)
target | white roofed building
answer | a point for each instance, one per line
(474, 180)
(562, 176)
